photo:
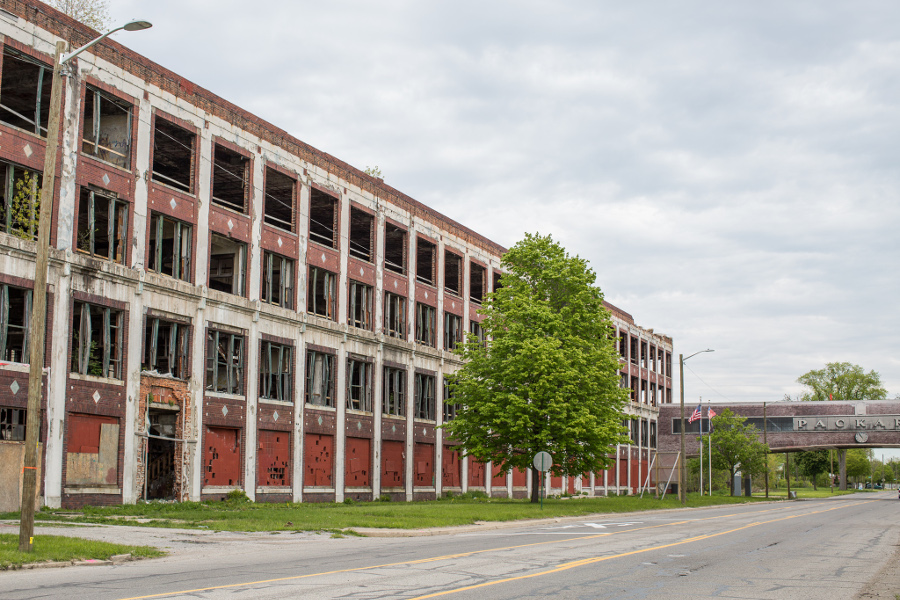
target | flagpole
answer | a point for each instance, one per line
(701, 446)
(709, 445)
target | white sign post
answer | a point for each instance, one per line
(542, 462)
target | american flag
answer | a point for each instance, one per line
(695, 415)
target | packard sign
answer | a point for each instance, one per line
(868, 423)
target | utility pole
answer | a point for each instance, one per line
(766, 442)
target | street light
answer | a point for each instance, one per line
(39, 296)
(681, 472)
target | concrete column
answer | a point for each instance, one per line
(340, 433)
(842, 465)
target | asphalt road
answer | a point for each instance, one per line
(819, 549)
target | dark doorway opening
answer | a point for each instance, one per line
(161, 455)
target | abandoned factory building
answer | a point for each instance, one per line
(230, 308)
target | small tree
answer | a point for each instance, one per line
(858, 464)
(842, 381)
(735, 446)
(812, 463)
(93, 13)
(25, 206)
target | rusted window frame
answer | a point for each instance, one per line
(181, 248)
(45, 76)
(176, 350)
(359, 307)
(329, 283)
(232, 361)
(394, 392)
(395, 315)
(275, 371)
(453, 331)
(116, 225)
(110, 344)
(5, 324)
(359, 391)
(424, 393)
(91, 145)
(326, 379)
(285, 288)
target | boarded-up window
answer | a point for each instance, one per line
(392, 464)
(318, 465)
(357, 467)
(424, 455)
(274, 458)
(520, 478)
(476, 473)
(92, 451)
(222, 457)
(499, 477)
(451, 468)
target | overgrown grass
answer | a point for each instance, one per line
(822, 492)
(58, 548)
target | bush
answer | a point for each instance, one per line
(384, 498)
(236, 497)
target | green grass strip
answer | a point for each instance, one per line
(57, 548)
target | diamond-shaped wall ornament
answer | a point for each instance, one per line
(27, 150)
(280, 242)
(358, 426)
(173, 204)
(224, 411)
(14, 386)
(324, 257)
(320, 421)
(395, 285)
(393, 429)
(230, 224)
(96, 396)
(424, 431)
(362, 271)
(106, 179)
(453, 303)
(426, 295)
(275, 416)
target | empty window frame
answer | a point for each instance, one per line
(450, 408)
(275, 372)
(224, 362)
(230, 179)
(425, 255)
(453, 273)
(362, 234)
(106, 133)
(322, 285)
(394, 315)
(644, 354)
(12, 424)
(323, 218)
(174, 149)
(281, 198)
(20, 208)
(453, 331)
(360, 305)
(166, 347)
(425, 322)
(633, 345)
(359, 385)
(497, 284)
(227, 265)
(319, 378)
(277, 280)
(102, 225)
(476, 283)
(169, 251)
(393, 400)
(395, 249)
(15, 322)
(25, 92)
(424, 397)
(97, 341)
(477, 330)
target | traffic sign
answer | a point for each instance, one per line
(542, 461)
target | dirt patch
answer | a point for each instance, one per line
(886, 583)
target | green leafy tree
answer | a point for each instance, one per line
(842, 381)
(858, 466)
(548, 379)
(812, 463)
(93, 13)
(25, 206)
(735, 446)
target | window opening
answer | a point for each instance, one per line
(394, 392)
(395, 249)
(394, 315)
(102, 225)
(477, 330)
(21, 206)
(425, 321)
(497, 284)
(278, 280)
(166, 346)
(227, 265)
(452, 273)
(106, 133)
(275, 372)
(360, 305)
(634, 349)
(453, 331)
(12, 424)
(425, 252)
(321, 299)
(231, 175)
(281, 190)
(25, 92)
(15, 323)
(319, 378)
(450, 408)
(476, 283)
(170, 247)
(362, 234)
(424, 397)
(322, 218)
(359, 385)
(224, 362)
(96, 341)
(173, 156)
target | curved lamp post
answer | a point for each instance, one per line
(681, 471)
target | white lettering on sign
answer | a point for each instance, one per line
(801, 424)
(820, 424)
(878, 424)
(836, 423)
(839, 424)
(860, 423)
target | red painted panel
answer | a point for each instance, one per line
(635, 474)
(520, 478)
(392, 469)
(499, 477)
(451, 468)
(84, 433)
(571, 482)
(424, 455)
(358, 463)
(476, 473)
(222, 457)
(273, 466)
(623, 473)
(318, 460)
(556, 482)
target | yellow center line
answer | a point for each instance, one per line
(452, 556)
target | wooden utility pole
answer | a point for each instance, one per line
(766, 442)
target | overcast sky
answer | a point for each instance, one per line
(729, 169)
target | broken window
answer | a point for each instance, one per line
(359, 385)
(668, 364)
(169, 252)
(319, 378)
(623, 345)
(393, 400)
(20, 209)
(425, 321)
(652, 441)
(166, 346)
(323, 218)
(224, 362)
(360, 305)
(96, 341)
(12, 424)
(277, 280)
(321, 299)
(452, 273)
(227, 265)
(395, 315)
(107, 128)
(280, 200)
(173, 156)
(424, 397)
(497, 284)
(450, 408)
(477, 330)
(394, 249)
(231, 175)
(644, 354)
(453, 331)
(25, 92)
(653, 358)
(362, 234)
(15, 322)
(102, 225)
(633, 345)
(476, 283)
(275, 372)
(425, 254)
